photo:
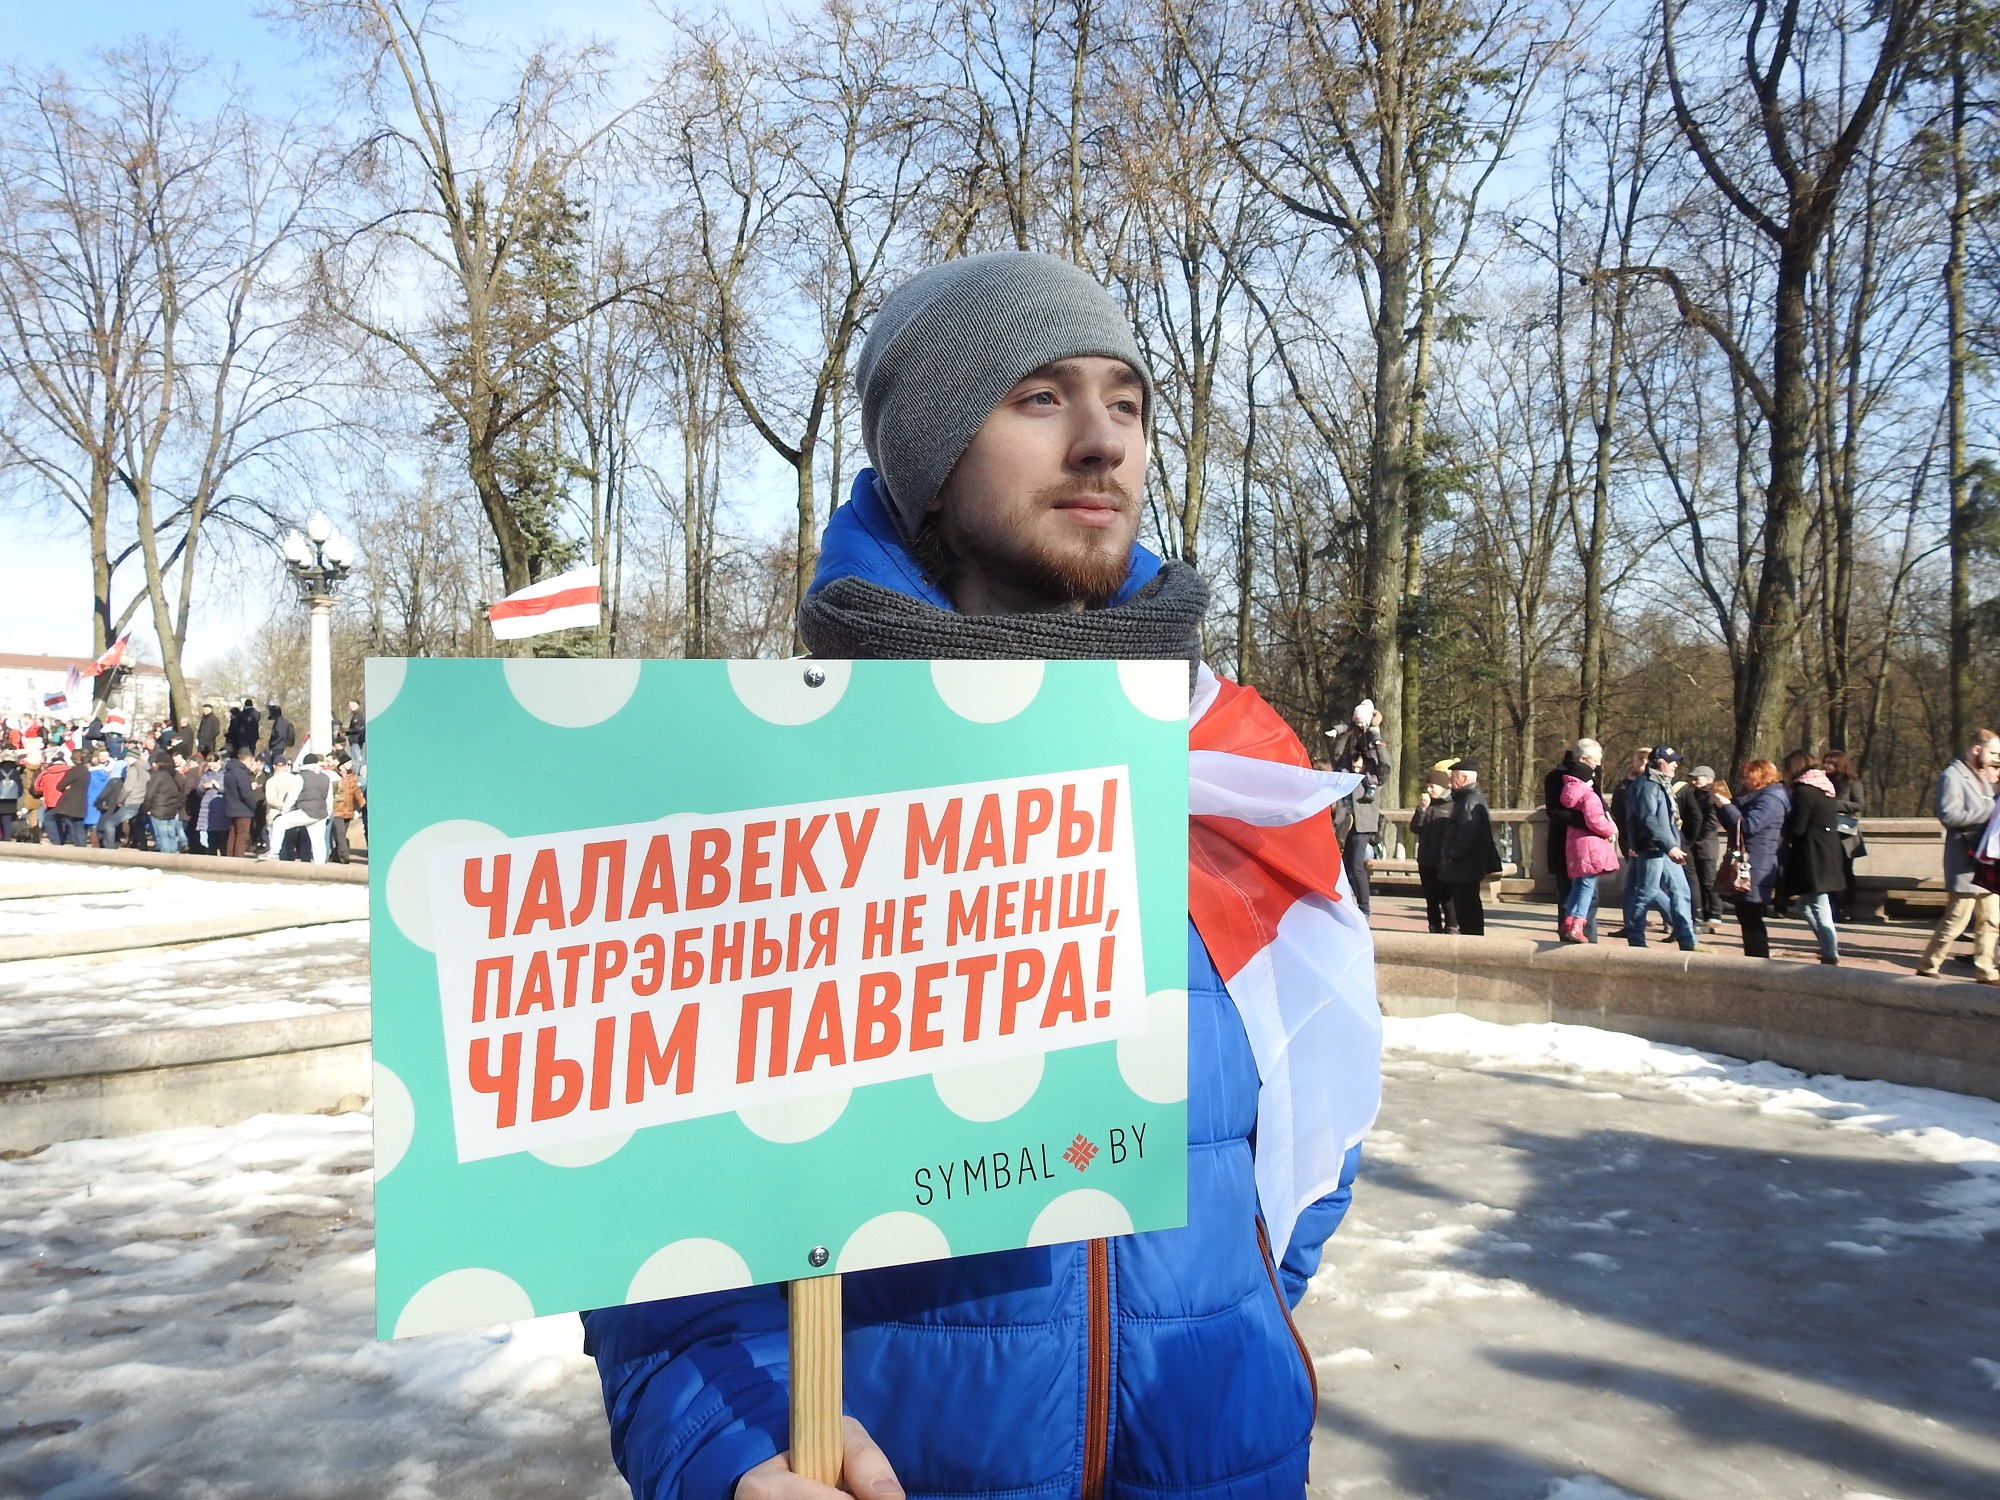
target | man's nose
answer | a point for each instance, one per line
(1098, 445)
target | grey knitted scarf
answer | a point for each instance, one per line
(850, 618)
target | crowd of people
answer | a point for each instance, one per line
(241, 787)
(1783, 842)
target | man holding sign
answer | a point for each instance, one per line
(1006, 408)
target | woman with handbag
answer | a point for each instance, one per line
(1756, 824)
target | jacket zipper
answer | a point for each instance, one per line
(1097, 1358)
(1278, 1291)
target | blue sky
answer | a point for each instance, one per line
(44, 562)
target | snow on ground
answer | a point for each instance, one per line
(1960, 1130)
(191, 1313)
(169, 900)
(16, 873)
(1950, 1128)
(267, 976)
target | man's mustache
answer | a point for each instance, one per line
(1108, 487)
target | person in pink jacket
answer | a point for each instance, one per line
(1591, 847)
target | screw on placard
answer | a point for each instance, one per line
(818, 1256)
(814, 677)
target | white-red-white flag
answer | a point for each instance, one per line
(560, 603)
(111, 658)
(1266, 893)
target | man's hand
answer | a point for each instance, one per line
(864, 1472)
(1678, 856)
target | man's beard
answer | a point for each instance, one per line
(1090, 572)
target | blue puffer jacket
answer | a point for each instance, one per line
(1070, 1370)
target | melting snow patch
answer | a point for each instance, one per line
(169, 1302)
(1587, 1487)
(1955, 1129)
(1344, 1357)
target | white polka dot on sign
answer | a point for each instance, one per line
(1080, 1214)
(1158, 689)
(472, 1298)
(395, 1120)
(405, 889)
(990, 1091)
(793, 1120)
(1154, 1064)
(892, 1239)
(569, 693)
(381, 679)
(987, 692)
(789, 692)
(686, 1267)
(583, 1153)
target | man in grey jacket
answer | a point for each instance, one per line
(1964, 802)
(1655, 875)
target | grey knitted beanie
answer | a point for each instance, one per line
(950, 342)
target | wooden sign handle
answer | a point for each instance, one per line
(815, 1333)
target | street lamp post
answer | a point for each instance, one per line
(319, 559)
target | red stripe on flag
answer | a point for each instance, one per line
(521, 609)
(1242, 879)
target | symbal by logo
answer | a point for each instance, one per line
(1081, 1153)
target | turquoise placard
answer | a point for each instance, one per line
(695, 974)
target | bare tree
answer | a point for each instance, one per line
(1782, 101)
(1379, 124)
(154, 361)
(804, 158)
(474, 211)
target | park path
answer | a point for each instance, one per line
(1589, 1276)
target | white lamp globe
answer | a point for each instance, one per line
(296, 550)
(318, 527)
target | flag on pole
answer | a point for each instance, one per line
(1266, 893)
(110, 659)
(560, 603)
(115, 721)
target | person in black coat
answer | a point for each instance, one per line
(1428, 823)
(1815, 863)
(1701, 841)
(239, 799)
(1469, 852)
(73, 804)
(208, 730)
(282, 736)
(243, 728)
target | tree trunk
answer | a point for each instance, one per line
(1382, 552)
(1959, 358)
(1774, 618)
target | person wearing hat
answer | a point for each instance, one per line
(1701, 838)
(1358, 749)
(1005, 407)
(1429, 822)
(1469, 853)
(1655, 873)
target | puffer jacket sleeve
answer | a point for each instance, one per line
(696, 1388)
(1315, 1227)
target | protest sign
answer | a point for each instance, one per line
(696, 975)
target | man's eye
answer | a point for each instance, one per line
(1043, 398)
